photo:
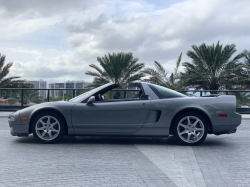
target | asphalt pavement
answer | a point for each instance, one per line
(94, 161)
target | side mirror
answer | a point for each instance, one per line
(144, 97)
(91, 100)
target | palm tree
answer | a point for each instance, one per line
(160, 76)
(120, 68)
(246, 56)
(8, 82)
(30, 96)
(242, 98)
(212, 68)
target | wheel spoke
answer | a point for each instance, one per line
(41, 121)
(54, 130)
(50, 136)
(195, 135)
(198, 129)
(48, 121)
(183, 132)
(40, 128)
(53, 124)
(188, 138)
(189, 123)
(43, 133)
(195, 123)
(185, 126)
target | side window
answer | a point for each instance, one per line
(163, 92)
(114, 94)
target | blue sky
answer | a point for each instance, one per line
(57, 40)
(159, 4)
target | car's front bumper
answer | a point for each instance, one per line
(16, 127)
(19, 130)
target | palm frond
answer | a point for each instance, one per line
(120, 68)
(5, 81)
(178, 63)
(212, 67)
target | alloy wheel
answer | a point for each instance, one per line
(190, 129)
(47, 128)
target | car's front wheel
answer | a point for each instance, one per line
(190, 129)
(48, 128)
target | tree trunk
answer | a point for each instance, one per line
(214, 87)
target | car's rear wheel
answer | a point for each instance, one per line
(48, 128)
(190, 129)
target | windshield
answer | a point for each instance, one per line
(163, 92)
(87, 94)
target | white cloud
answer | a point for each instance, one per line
(90, 29)
(22, 28)
(26, 51)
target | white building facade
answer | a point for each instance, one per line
(66, 85)
(41, 84)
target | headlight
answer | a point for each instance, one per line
(11, 118)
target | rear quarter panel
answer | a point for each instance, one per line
(212, 106)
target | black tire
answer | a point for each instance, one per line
(190, 130)
(52, 133)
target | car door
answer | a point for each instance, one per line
(110, 117)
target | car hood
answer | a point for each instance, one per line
(54, 104)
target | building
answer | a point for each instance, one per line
(56, 93)
(68, 85)
(39, 85)
(75, 85)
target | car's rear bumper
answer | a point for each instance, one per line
(19, 130)
(236, 120)
(228, 129)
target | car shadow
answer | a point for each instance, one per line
(169, 141)
(103, 140)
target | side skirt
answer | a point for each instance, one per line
(143, 132)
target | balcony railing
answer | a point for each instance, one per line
(18, 98)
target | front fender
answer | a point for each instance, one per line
(62, 107)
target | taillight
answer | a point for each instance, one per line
(222, 115)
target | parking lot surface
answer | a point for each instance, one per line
(96, 161)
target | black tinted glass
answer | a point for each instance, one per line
(163, 92)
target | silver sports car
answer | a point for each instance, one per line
(155, 111)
